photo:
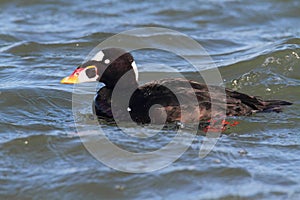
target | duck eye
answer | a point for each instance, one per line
(91, 72)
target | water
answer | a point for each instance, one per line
(255, 45)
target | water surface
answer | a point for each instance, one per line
(256, 46)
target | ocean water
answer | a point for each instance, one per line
(255, 45)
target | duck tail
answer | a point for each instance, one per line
(274, 105)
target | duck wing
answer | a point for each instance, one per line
(168, 93)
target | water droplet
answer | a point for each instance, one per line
(243, 152)
(120, 187)
(296, 55)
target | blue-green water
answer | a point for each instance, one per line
(255, 45)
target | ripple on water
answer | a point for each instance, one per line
(256, 46)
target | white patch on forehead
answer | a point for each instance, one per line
(135, 70)
(99, 56)
(106, 61)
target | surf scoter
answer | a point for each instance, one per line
(158, 101)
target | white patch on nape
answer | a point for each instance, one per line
(106, 61)
(135, 70)
(99, 56)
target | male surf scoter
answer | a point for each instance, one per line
(158, 100)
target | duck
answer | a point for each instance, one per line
(157, 101)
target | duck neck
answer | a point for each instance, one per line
(124, 82)
(123, 88)
(117, 98)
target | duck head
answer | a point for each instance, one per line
(107, 66)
